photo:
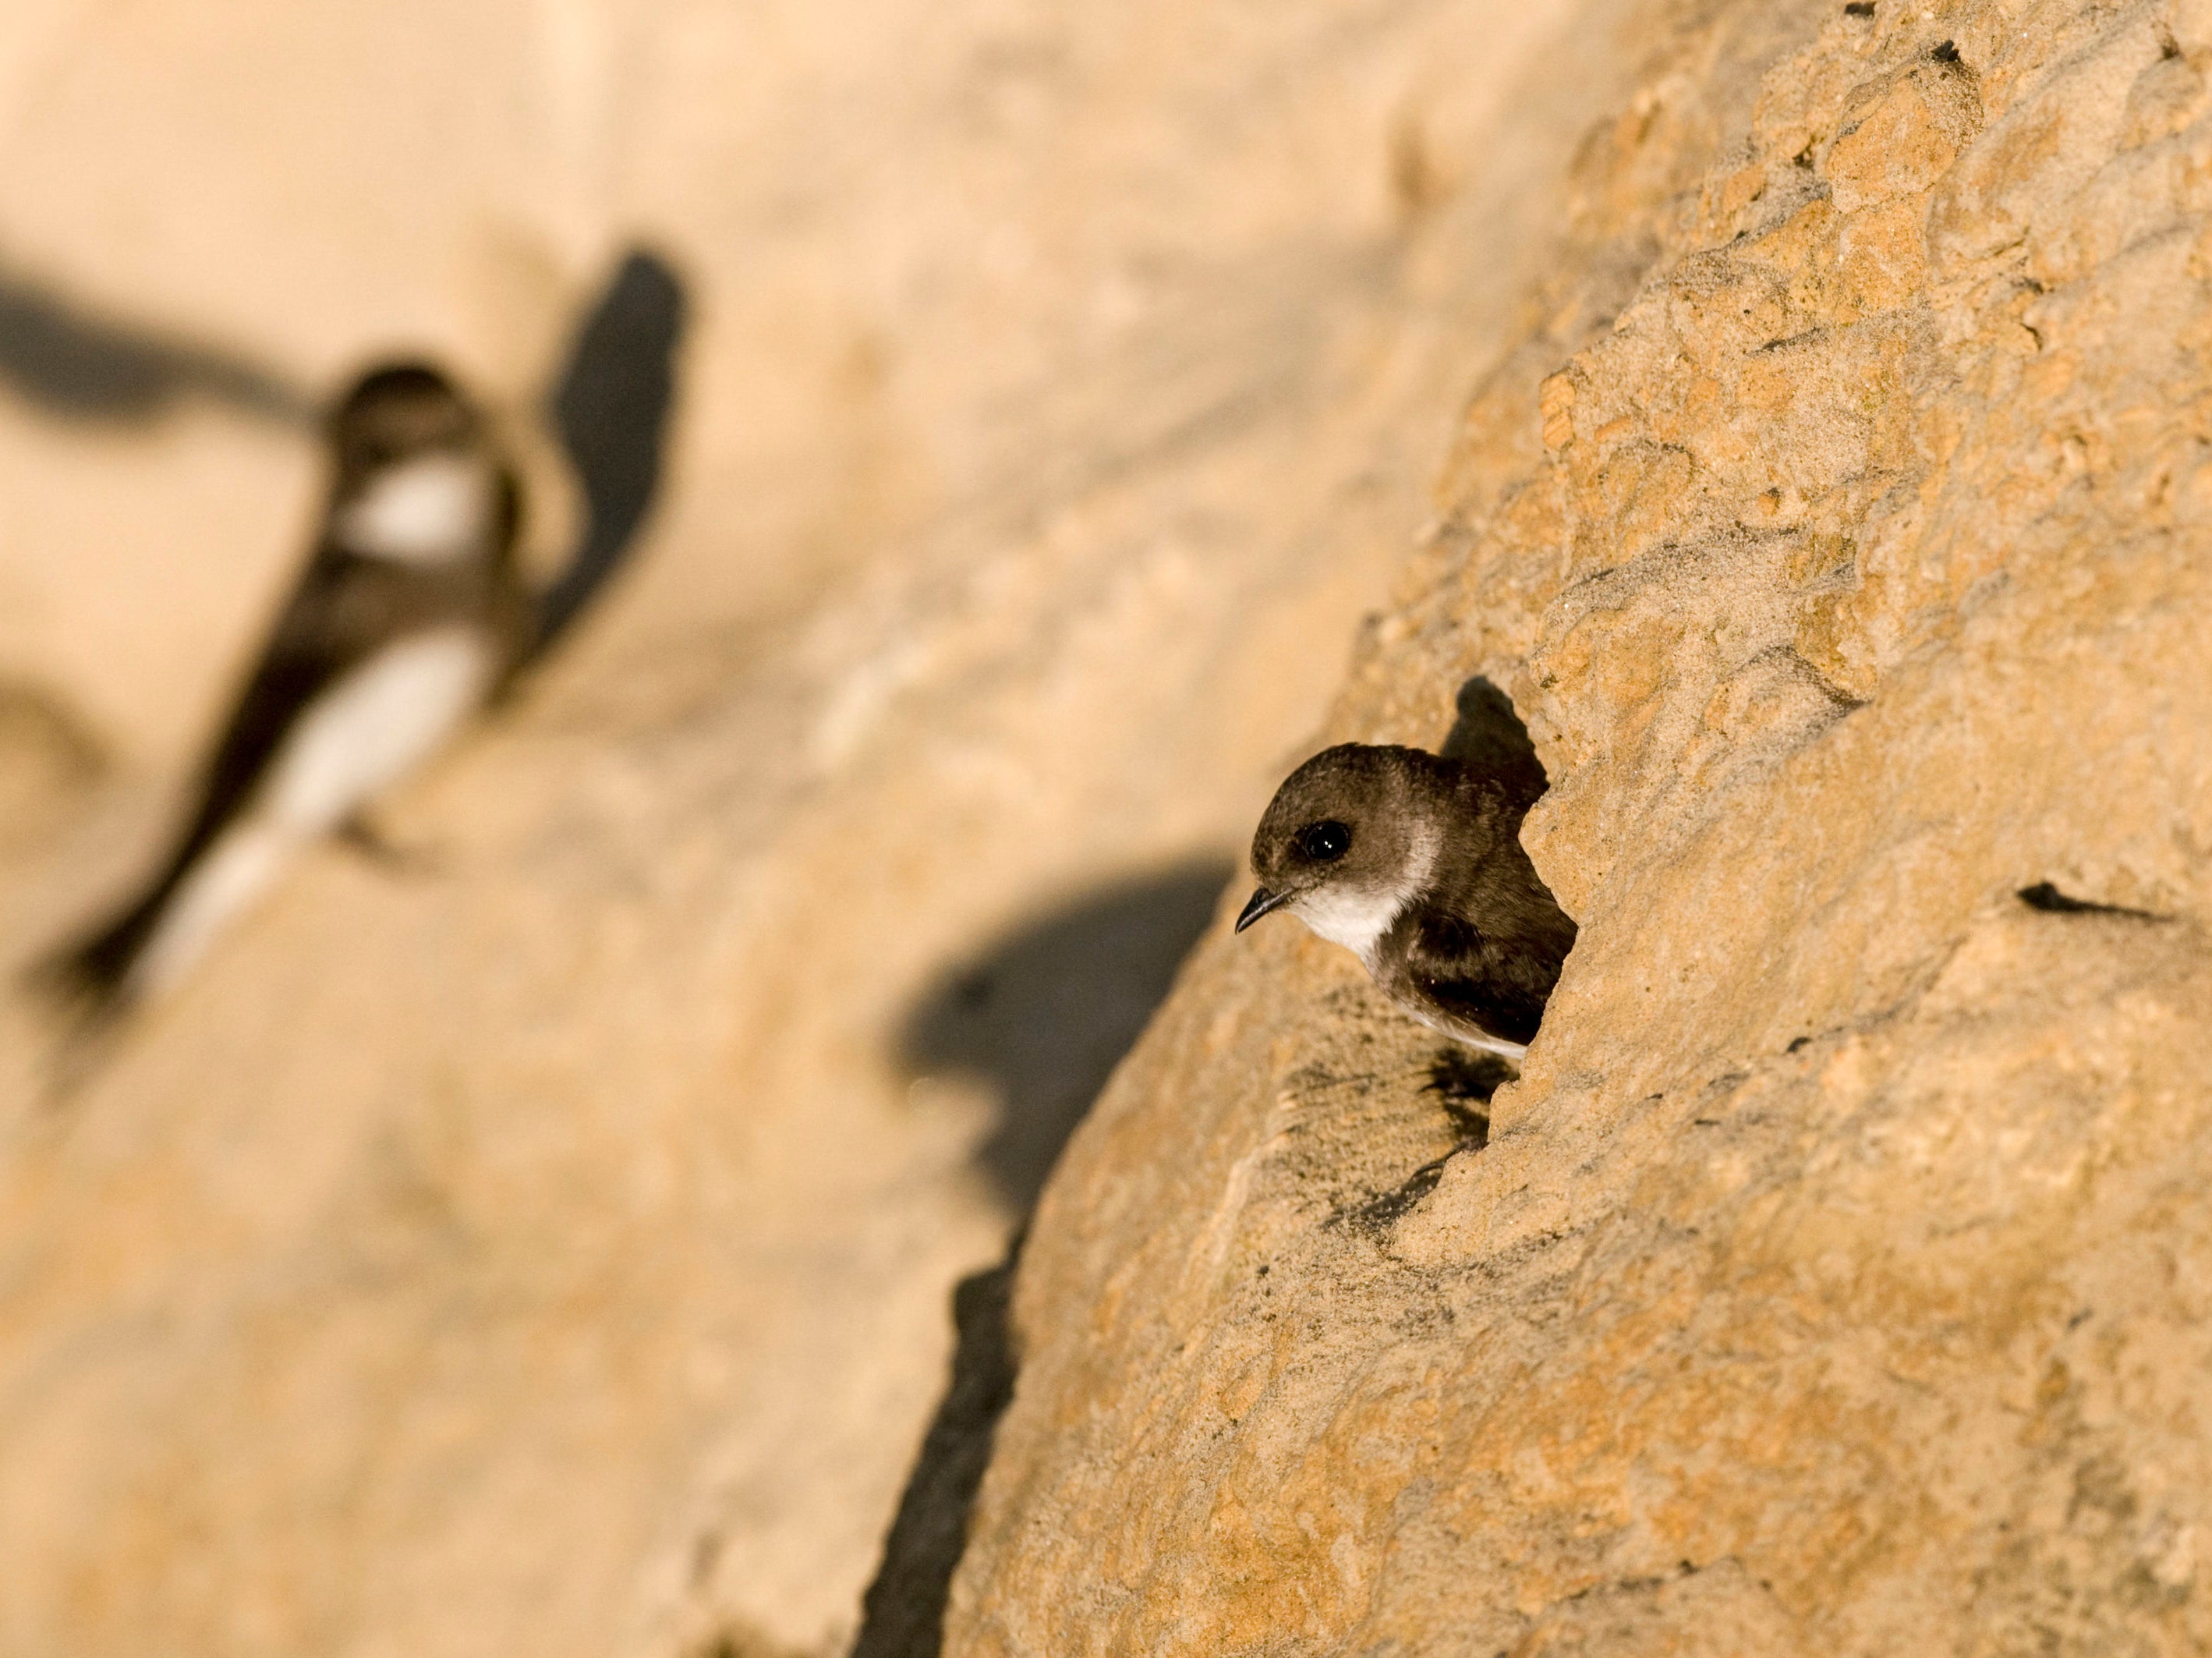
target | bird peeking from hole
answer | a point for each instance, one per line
(409, 615)
(1412, 862)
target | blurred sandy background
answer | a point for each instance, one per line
(552, 1251)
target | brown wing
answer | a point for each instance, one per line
(1475, 978)
(343, 609)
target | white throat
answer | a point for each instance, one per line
(430, 511)
(1358, 917)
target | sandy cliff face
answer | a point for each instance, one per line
(1839, 1276)
(551, 1253)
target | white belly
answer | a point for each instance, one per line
(359, 738)
(1481, 1042)
(372, 728)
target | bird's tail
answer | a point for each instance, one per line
(94, 970)
(89, 984)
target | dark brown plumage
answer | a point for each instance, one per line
(1414, 861)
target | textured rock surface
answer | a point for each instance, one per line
(1839, 1277)
(551, 1253)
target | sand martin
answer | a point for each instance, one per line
(407, 616)
(1412, 862)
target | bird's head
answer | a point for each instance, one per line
(400, 411)
(1350, 836)
(417, 478)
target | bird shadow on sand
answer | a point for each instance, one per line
(1043, 1014)
(66, 361)
(1487, 731)
(609, 407)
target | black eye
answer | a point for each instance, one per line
(1324, 842)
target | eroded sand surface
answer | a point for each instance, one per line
(1836, 1280)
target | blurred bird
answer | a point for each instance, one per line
(408, 617)
(1412, 862)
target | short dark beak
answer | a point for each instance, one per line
(1263, 902)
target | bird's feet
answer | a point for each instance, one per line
(360, 834)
